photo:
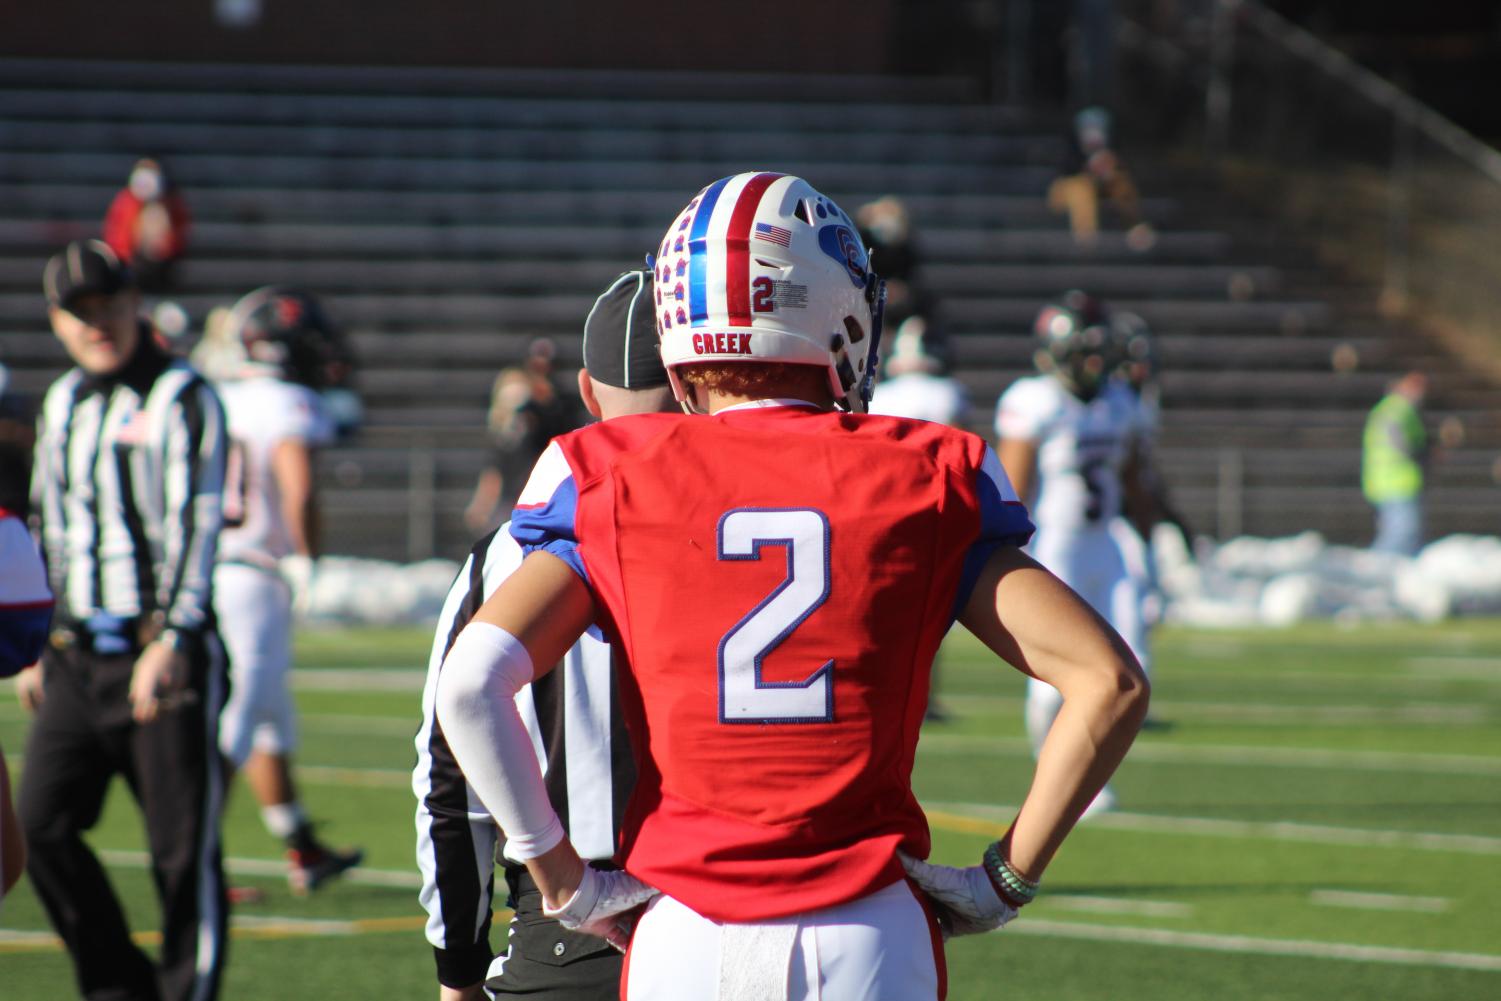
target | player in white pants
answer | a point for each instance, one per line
(1069, 439)
(266, 551)
(880, 947)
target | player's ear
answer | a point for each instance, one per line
(586, 393)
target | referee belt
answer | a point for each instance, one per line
(105, 635)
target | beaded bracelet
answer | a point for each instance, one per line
(1017, 888)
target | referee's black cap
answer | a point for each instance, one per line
(82, 267)
(620, 335)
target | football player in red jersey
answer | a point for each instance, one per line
(775, 579)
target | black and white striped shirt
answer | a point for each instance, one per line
(128, 477)
(573, 717)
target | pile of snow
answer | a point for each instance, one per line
(1243, 582)
(1278, 582)
(349, 591)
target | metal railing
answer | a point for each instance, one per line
(1392, 193)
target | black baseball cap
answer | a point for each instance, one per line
(620, 335)
(82, 267)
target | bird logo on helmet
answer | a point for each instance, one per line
(773, 272)
(1075, 344)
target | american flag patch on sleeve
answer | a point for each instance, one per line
(773, 234)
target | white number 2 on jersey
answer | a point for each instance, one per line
(803, 534)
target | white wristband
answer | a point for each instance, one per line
(476, 707)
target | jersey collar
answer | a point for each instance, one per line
(765, 404)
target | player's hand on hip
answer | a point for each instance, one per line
(157, 682)
(604, 905)
(298, 571)
(965, 899)
(29, 688)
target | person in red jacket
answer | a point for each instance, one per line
(147, 225)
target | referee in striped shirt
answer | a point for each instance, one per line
(127, 481)
(572, 717)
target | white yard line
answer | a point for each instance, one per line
(1274, 830)
(1339, 715)
(239, 866)
(1118, 905)
(1456, 668)
(1379, 901)
(1256, 946)
(355, 679)
(1221, 754)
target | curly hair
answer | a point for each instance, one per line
(758, 379)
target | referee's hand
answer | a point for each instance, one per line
(159, 676)
(29, 688)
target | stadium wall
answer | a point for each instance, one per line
(841, 36)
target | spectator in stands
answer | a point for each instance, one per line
(1093, 172)
(886, 227)
(528, 408)
(147, 226)
(1395, 456)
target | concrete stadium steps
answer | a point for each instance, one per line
(450, 216)
(486, 173)
(621, 108)
(73, 74)
(569, 239)
(437, 142)
(356, 275)
(65, 201)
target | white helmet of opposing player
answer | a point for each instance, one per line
(761, 267)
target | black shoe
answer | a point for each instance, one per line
(309, 868)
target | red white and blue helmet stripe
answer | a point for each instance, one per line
(761, 267)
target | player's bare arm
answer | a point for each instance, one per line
(1019, 458)
(292, 466)
(1037, 624)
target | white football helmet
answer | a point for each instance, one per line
(761, 267)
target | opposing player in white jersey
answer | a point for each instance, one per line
(1137, 370)
(1069, 439)
(267, 548)
(916, 384)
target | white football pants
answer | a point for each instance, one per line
(254, 607)
(882, 947)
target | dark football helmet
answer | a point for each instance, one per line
(285, 332)
(1075, 343)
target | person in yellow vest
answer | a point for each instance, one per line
(1395, 454)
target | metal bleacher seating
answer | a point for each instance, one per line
(447, 217)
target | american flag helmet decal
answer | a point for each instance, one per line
(770, 270)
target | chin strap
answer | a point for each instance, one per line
(875, 294)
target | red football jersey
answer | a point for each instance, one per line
(776, 581)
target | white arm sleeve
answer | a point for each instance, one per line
(476, 706)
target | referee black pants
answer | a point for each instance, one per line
(83, 736)
(545, 961)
